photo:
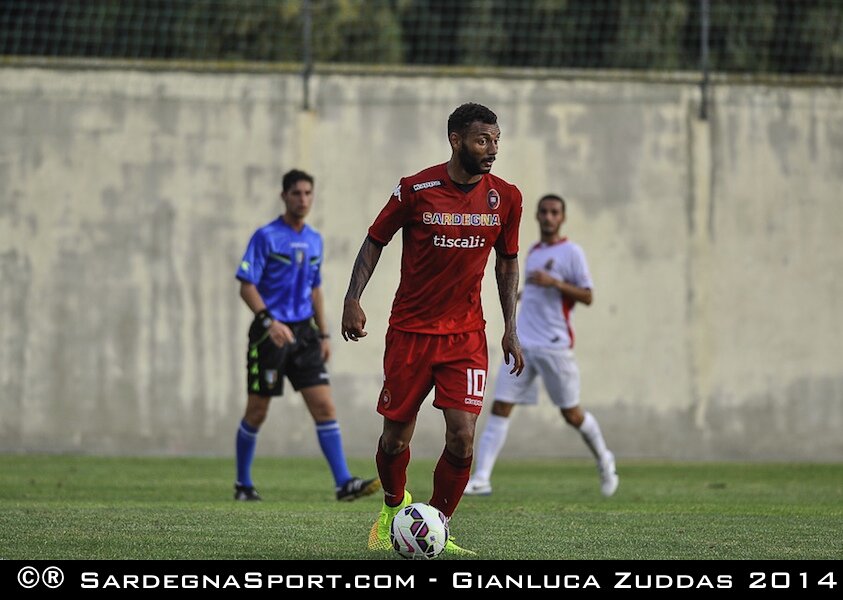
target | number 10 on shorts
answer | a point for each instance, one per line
(476, 379)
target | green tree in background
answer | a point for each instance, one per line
(776, 36)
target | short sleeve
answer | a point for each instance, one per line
(253, 261)
(316, 266)
(581, 274)
(393, 216)
(507, 242)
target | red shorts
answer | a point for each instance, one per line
(414, 363)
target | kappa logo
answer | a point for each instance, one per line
(427, 184)
(397, 192)
(494, 199)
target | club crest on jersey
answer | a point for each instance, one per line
(494, 199)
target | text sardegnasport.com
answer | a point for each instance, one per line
(248, 581)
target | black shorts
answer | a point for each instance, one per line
(301, 362)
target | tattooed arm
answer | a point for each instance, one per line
(506, 272)
(353, 317)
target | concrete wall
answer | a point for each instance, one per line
(127, 199)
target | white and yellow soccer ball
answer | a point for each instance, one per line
(419, 531)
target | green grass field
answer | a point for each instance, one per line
(75, 507)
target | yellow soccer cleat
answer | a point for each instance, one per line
(379, 535)
(452, 548)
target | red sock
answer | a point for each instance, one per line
(392, 469)
(449, 480)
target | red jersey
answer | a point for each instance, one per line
(447, 237)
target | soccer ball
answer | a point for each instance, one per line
(419, 531)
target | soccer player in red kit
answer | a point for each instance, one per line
(452, 215)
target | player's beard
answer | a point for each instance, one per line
(549, 229)
(469, 163)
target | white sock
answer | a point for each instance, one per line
(593, 437)
(491, 442)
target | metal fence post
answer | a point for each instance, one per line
(704, 27)
(307, 52)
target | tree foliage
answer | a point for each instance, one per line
(749, 36)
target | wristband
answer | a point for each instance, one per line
(324, 336)
(264, 318)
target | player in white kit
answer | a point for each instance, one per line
(557, 278)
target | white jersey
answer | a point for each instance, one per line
(544, 319)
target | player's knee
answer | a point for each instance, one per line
(325, 416)
(324, 413)
(257, 408)
(573, 416)
(393, 445)
(256, 417)
(502, 409)
(460, 441)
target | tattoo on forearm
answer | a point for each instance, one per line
(508, 292)
(364, 266)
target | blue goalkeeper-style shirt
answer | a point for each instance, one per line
(284, 266)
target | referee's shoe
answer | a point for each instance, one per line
(357, 488)
(246, 493)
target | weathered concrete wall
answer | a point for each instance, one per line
(127, 198)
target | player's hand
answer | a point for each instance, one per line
(353, 321)
(512, 347)
(280, 334)
(541, 278)
(326, 349)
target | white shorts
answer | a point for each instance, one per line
(557, 369)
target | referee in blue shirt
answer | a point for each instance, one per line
(280, 282)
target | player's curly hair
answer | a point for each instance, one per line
(462, 118)
(292, 177)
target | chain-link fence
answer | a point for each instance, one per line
(746, 36)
